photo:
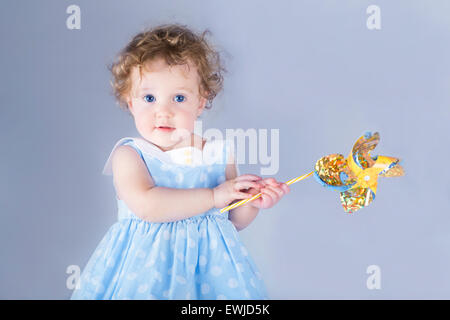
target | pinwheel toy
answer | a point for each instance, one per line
(355, 177)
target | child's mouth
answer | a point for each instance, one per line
(165, 129)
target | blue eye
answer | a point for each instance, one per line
(149, 98)
(179, 98)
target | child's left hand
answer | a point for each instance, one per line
(271, 192)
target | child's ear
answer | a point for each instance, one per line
(130, 105)
(201, 107)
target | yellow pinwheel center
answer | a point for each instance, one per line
(368, 178)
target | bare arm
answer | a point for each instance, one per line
(154, 204)
(242, 216)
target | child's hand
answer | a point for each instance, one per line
(239, 188)
(271, 192)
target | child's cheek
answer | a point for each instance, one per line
(144, 122)
(187, 121)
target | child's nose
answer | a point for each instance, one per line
(164, 109)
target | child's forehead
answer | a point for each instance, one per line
(158, 68)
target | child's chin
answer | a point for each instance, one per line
(166, 143)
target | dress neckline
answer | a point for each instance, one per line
(204, 143)
(153, 146)
(210, 146)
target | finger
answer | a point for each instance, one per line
(245, 185)
(285, 187)
(266, 200)
(263, 183)
(278, 190)
(250, 177)
(270, 180)
(241, 195)
(271, 192)
(258, 202)
(253, 191)
(260, 184)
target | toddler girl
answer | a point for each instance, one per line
(170, 240)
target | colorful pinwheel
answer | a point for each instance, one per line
(355, 177)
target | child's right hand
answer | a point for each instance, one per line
(232, 189)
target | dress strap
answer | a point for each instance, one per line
(129, 141)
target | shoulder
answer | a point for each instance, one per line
(123, 155)
(131, 177)
(123, 144)
(127, 159)
(129, 171)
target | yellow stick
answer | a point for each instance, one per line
(256, 196)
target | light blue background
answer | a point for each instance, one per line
(311, 69)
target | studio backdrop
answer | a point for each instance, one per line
(304, 78)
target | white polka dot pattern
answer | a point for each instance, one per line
(201, 257)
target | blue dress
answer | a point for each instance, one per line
(200, 257)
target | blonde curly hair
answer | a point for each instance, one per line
(177, 45)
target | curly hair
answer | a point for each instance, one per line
(177, 45)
